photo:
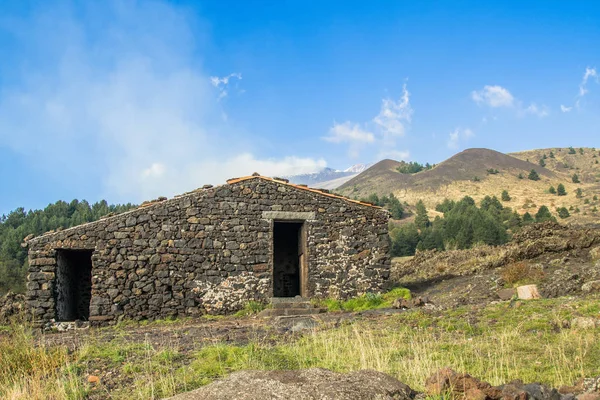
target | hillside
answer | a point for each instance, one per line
(466, 173)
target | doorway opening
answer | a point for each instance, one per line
(73, 284)
(289, 259)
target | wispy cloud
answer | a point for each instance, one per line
(590, 73)
(457, 136)
(392, 122)
(394, 116)
(126, 105)
(222, 83)
(496, 96)
(533, 109)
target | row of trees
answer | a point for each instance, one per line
(413, 167)
(390, 202)
(464, 225)
(19, 223)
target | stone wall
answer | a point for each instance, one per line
(210, 251)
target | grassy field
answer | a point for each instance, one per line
(497, 343)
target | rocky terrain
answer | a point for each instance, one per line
(320, 384)
(561, 260)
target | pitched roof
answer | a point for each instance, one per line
(322, 192)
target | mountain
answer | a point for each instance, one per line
(328, 178)
(473, 172)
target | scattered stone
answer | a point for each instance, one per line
(591, 286)
(410, 303)
(506, 294)
(528, 292)
(93, 379)
(447, 380)
(595, 253)
(585, 322)
(310, 384)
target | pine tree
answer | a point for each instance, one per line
(542, 162)
(575, 178)
(552, 190)
(563, 212)
(560, 190)
(422, 219)
(543, 214)
(505, 196)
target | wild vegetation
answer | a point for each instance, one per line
(497, 343)
(413, 167)
(19, 223)
(463, 225)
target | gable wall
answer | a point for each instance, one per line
(210, 252)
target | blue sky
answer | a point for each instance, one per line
(130, 100)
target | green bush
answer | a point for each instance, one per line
(533, 175)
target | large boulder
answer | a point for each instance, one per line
(309, 384)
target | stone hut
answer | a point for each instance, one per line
(210, 251)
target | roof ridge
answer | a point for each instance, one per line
(286, 182)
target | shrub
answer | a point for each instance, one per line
(520, 176)
(572, 150)
(505, 196)
(533, 175)
(552, 190)
(544, 214)
(560, 190)
(578, 193)
(551, 154)
(563, 212)
(542, 162)
(492, 171)
(575, 178)
(520, 272)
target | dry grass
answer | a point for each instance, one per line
(524, 192)
(521, 273)
(497, 344)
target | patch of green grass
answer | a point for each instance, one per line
(250, 308)
(368, 301)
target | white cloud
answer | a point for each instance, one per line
(498, 96)
(245, 164)
(222, 83)
(589, 73)
(394, 115)
(392, 122)
(457, 136)
(349, 132)
(127, 107)
(535, 110)
(493, 96)
(156, 170)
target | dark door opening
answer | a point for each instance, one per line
(73, 284)
(288, 259)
